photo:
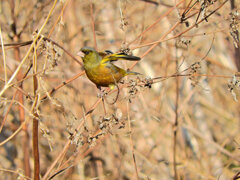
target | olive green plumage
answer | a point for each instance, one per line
(100, 69)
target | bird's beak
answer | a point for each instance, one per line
(80, 53)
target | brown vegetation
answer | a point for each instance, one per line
(179, 120)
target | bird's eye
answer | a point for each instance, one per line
(87, 52)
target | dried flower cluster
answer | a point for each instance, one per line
(234, 27)
(193, 75)
(233, 86)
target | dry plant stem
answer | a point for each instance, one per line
(59, 172)
(178, 35)
(46, 39)
(104, 108)
(150, 2)
(26, 137)
(19, 44)
(99, 166)
(186, 9)
(35, 148)
(59, 17)
(163, 40)
(132, 147)
(216, 145)
(63, 84)
(93, 25)
(236, 49)
(63, 152)
(67, 145)
(4, 58)
(237, 176)
(26, 147)
(156, 80)
(35, 118)
(65, 148)
(66, 51)
(157, 21)
(175, 126)
(118, 91)
(8, 110)
(20, 127)
(5, 75)
(57, 159)
(18, 88)
(29, 50)
(84, 151)
(15, 172)
(154, 45)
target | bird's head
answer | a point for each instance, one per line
(88, 54)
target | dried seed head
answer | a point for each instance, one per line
(194, 70)
(233, 86)
(234, 27)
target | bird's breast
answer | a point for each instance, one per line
(105, 74)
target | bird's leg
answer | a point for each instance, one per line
(101, 95)
(102, 92)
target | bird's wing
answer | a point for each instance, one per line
(119, 56)
(105, 53)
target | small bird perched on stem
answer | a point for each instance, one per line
(100, 69)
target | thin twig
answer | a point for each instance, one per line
(8, 110)
(65, 148)
(29, 50)
(178, 35)
(26, 137)
(59, 17)
(130, 137)
(155, 23)
(4, 57)
(175, 125)
(93, 25)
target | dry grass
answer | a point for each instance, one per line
(179, 120)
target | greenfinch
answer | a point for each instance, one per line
(100, 69)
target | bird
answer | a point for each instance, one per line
(100, 69)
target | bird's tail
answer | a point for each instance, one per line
(119, 56)
(132, 73)
(127, 57)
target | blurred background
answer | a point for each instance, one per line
(180, 119)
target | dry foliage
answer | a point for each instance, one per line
(179, 120)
